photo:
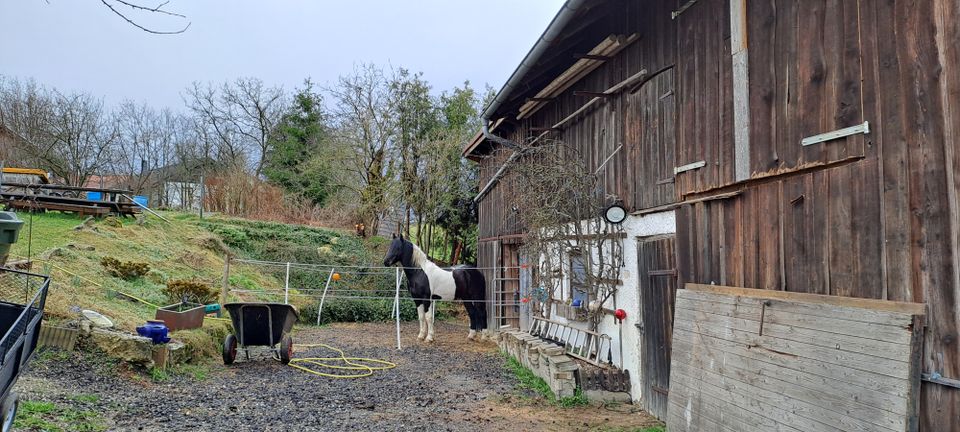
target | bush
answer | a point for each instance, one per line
(197, 292)
(124, 270)
(340, 310)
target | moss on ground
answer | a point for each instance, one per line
(49, 417)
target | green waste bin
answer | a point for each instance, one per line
(9, 232)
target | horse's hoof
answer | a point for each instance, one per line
(429, 339)
(420, 337)
(472, 335)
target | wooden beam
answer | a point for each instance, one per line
(591, 94)
(608, 47)
(611, 91)
(591, 56)
(874, 304)
(540, 99)
(741, 89)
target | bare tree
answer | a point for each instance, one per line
(254, 110)
(69, 134)
(116, 6)
(238, 119)
(365, 122)
(558, 201)
(145, 145)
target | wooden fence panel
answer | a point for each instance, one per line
(757, 360)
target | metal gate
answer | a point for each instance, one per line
(658, 285)
(506, 307)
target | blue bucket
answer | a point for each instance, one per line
(95, 196)
(140, 199)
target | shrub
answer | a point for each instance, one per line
(340, 310)
(197, 292)
(128, 270)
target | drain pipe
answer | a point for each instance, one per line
(517, 151)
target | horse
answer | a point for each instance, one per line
(428, 282)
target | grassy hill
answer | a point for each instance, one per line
(186, 248)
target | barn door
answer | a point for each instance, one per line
(658, 284)
(507, 307)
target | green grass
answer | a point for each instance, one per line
(528, 381)
(48, 417)
(158, 375)
(49, 230)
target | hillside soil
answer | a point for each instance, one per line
(452, 385)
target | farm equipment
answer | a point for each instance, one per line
(260, 324)
(20, 326)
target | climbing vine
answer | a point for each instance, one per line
(559, 201)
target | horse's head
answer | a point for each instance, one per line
(396, 251)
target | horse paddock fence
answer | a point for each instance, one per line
(320, 283)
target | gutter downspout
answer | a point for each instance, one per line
(517, 151)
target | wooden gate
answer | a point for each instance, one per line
(658, 286)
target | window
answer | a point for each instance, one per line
(578, 280)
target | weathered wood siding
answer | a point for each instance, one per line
(871, 216)
(747, 361)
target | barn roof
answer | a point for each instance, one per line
(575, 31)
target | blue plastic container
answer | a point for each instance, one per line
(155, 330)
(95, 196)
(140, 199)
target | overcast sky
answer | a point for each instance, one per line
(80, 45)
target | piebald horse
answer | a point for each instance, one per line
(428, 282)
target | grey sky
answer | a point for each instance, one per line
(81, 45)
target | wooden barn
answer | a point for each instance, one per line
(804, 146)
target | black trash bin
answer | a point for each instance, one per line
(9, 232)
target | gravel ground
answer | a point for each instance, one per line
(450, 385)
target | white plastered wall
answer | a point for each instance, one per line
(627, 296)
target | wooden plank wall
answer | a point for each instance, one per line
(746, 361)
(869, 216)
(599, 131)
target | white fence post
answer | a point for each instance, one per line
(396, 306)
(286, 286)
(324, 296)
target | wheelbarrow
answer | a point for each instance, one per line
(20, 327)
(260, 324)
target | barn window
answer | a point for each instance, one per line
(579, 294)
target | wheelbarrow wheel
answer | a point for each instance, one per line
(286, 349)
(9, 411)
(229, 349)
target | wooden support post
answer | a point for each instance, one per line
(225, 288)
(741, 89)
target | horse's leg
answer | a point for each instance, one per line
(481, 306)
(422, 320)
(431, 308)
(472, 312)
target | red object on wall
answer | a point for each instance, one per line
(620, 314)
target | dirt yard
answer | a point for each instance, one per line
(451, 385)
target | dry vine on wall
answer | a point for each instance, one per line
(559, 200)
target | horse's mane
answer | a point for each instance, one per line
(419, 257)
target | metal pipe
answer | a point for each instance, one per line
(563, 17)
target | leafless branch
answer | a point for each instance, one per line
(148, 9)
